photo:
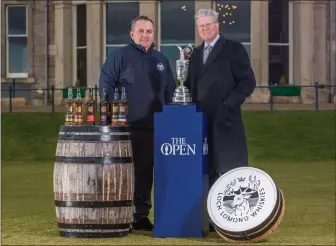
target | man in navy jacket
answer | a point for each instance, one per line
(149, 82)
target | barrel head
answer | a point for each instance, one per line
(244, 203)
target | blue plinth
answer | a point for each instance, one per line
(180, 172)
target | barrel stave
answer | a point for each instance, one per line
(117, 182)
(113, 215)
(122, 148)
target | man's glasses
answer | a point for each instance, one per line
(206, 26)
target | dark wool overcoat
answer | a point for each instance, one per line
(220, 87)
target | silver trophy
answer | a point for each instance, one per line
(182, 94)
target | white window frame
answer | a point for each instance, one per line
(278, 45)
(289, 45)
(77, 2)
(8, 74)
(104, 24)
(74, 40)
(159, 32)
(243, 43)
(290, 73)
(249, 53)
(122, 1)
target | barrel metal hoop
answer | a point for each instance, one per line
(262, 228)
(94, 204)
(260, 233)
(94, 138)
(94, 226)
(92, 235)
(96, 128)
(95, 160)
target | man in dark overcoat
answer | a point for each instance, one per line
(221, 78)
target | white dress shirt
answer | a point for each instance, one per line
(212, 43)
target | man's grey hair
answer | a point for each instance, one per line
(207, 12)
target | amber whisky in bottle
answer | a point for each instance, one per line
(123, 108)
(104, 109)
(79, 103)
(69, 105)
(115, 108)
(91, 109)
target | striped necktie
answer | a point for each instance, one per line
(206, 53)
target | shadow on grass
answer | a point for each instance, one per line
(142, 233)
(213, 237)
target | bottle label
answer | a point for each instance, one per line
(103, 118)
(90, 109)
(70, 109)
(91, 118)
(69, 118)
(79, 109)
(103, 109)
(122, 109)
(115, 108)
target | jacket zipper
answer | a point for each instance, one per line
(150, 86)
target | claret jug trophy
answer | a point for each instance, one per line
(182, 95)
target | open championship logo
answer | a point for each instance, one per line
(241, 199)
(178, 146)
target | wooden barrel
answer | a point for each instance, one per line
(245, 205)
(94, 181)
(262, 232)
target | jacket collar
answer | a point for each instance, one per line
(140, 47)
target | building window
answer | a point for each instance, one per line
(119, 16)
(176, 27)
(17, 41)
(235, 21)
(80, 57)
(278, 46)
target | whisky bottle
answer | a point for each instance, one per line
(115, 108)
(109, 111)
(123, 108)
(104, 108)
(79, 108)
(69, 119)
(91, 109)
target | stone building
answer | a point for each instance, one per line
(65, 42)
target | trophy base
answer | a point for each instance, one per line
(182, 95)
(183, 101)
(182, 89)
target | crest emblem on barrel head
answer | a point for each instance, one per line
(241, 196)
(242, 199)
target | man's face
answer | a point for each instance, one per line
(143, 33)
(207, 28)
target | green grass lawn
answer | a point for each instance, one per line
(296, 148)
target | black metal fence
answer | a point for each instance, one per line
(48, 94)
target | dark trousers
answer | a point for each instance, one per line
(213, 174)
(143, 156)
